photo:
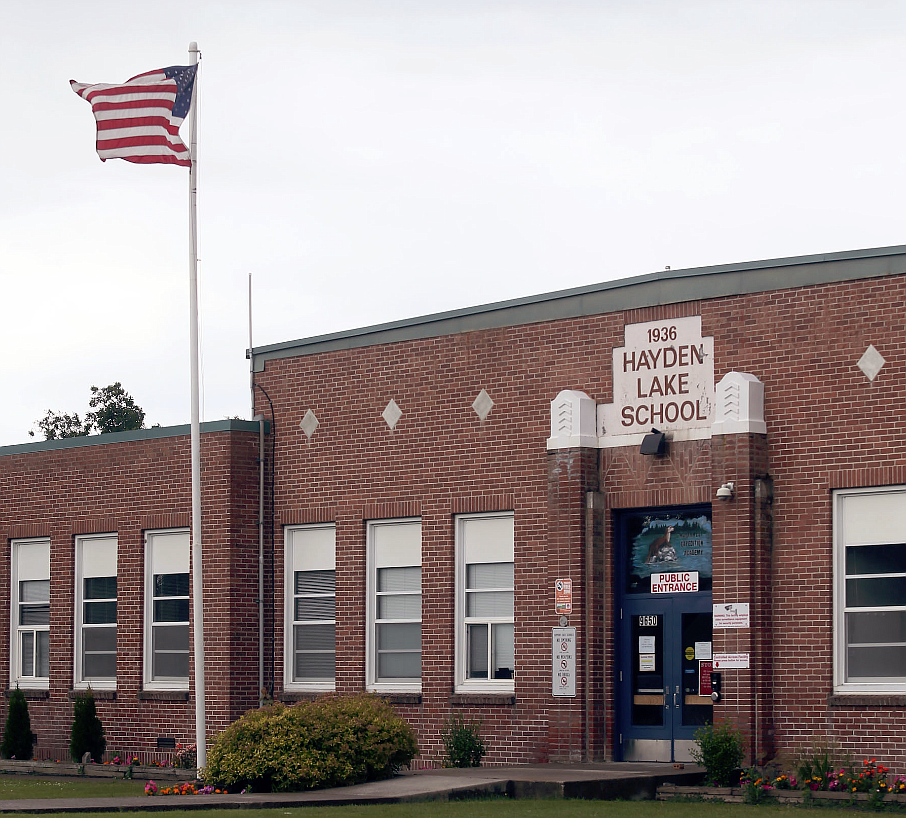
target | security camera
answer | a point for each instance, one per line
(726, 491)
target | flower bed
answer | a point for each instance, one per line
(872, 779)
(186, 788)
(738, 795)
(872, 784)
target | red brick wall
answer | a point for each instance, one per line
(128, 488)
(827, 426)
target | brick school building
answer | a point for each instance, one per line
(592, 520)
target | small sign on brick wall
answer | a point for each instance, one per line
(563, 596)
(730, 615)
(563, 662)
(725, 660)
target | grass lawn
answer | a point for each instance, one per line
(20, 786)
(496, 808)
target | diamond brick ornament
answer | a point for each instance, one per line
(309, 424)
(483, 404)
(392, 413)
(871, 362)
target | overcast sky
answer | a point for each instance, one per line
(370, 160)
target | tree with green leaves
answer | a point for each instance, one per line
(87, 731)
(113, 410)
(18, 739)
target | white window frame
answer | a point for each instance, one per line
(882, 508)
(307, 548)
(29, 560)
(390, 556)
(104, 548)
(180, 539)
(502, 551)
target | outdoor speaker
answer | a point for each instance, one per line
(654, 443)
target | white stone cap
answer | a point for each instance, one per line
(573, 421)
(739, 406)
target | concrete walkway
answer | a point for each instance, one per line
(595, 781)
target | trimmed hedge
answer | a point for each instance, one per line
(330, 742)
(87, 731)
(18, 739)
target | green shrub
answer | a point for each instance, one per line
(719, 751)
(462, 742)
(330, 742)
(87, 731)
(18, 739)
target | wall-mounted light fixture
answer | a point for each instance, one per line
(726, 491)
(654, 443)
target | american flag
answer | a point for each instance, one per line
(139, 120)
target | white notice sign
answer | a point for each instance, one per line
(677, 582)
(725, 660)
(563, 661)
(730, 615)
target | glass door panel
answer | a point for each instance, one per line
(647, 641)
(696, 669)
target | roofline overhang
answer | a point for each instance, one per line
(651, 289)
(155, 433)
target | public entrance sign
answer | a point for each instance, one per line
(677, 582)
(563, 662)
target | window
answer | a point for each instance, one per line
(485, 638)
(394, 643)
(95, 612)
(30, 613)
(311, 625)
(870, 590)
(167, 610)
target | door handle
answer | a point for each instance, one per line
(666, 695)
(676, 692)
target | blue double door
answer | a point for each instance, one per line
(665, 669)
(664, 630)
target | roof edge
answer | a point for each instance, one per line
(649, 289)
(156, 432)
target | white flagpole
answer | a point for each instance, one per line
(197, 593)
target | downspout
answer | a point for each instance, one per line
(268, 597)
(260, 419)
(589, 585)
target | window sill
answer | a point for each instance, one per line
(163, 695)
(504, 699)
(98, 694)
(300, 695)
(867, 700)
(32, 693)
(401, 698)
(386, 689)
